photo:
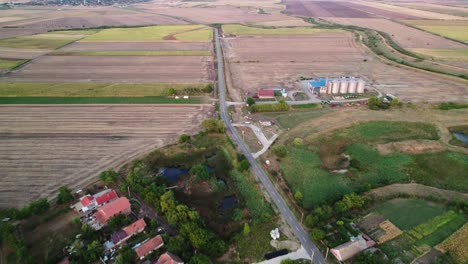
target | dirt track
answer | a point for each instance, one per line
(45, 147)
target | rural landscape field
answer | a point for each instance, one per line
(234, 131)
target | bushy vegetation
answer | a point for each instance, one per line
(108, 176)
(452, 105)
(214, 126)
(276, 107)
(64, 196)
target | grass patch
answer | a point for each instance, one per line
(75, 32)
(36, 42)
(102, 100)
(408, 213)
(10, 64)
(293, 119)
(451, 105)
(257, 243)
(236, 29)
(442, 169)
(445, 54)
(301, 169)
(134, 53)
(152, 33)
(274, 107)
(96, 89)
(429, 226)
(443, 232)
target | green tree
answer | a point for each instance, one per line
(39, 207)
(250, 101)
(94, 251)
(208, 88)
(126, 256)
(184, 138)
(323, 213)
(214, 126)
(108, 176)
(395, 102)
(167, 202)
(119, 221)
(341, 207)
(244, 165)
(374, 103)
(178, 245)
(88, 232)
(353, 200)
(64, 196)
(246, 229)
(317, 234)
(311, 220)
(280, 150)
(199, 259)
(298, 196)
(76, 221)
(171, 91)
(200, 171)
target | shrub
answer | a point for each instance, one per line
(214, 125)
(298, 142)
(200, 171)
(64, 195)
(244, 165)
(280, 150)
(317, 234)
(108, 176)
(184, 138)
(373, 103)
(278, 107)
(208, 88)
(250, 101)
(298, 196)
(246, 229)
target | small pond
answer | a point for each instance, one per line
(173, 174)
(229, 202)
(461, 136)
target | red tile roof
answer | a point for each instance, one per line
(106, 197)
(86, 200)
(150, 245)
(269, 93)
(135, 227)
(119, 206)
(169, 258)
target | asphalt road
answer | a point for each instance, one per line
(299, 232)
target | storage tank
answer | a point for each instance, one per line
(343, 86)
(329, 87)
(352, 86)
(335, 87)
(360, 86)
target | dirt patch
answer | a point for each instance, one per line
(411, 147)
(322, 8)
(414, 189)
(371, 221)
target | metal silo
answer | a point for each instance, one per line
(335, 86)
(344, 86)
(329, 87)
(360, 86)
(352, 86)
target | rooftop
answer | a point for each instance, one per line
(351, 248)
(169, 258)
(121, 205)
(86, 200)
(318, 82)
(106, 197)
(266, 93)
(135, 227)
(150, 245)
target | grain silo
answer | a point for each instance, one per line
(360, 86)
(343, 86)
(335, 86)
(352, 86)
(329, 87)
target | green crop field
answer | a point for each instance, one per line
(236, 29)
(37, 42)
(75, 32)
(301, 169)
(445, 54)
(443, 232)
(295, 118)
(408, 213)
(9, 64)
(102, 100)
(455, 32)
(94, 89)
(152, 33)
(133, 53)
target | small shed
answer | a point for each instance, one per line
(265, 94)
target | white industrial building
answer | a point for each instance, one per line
(343, 85)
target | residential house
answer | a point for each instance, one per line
(169, 258)
(121, 235)
(265, 122)
(353, 247)
(149, 246)
(106, 212)
(265, 94)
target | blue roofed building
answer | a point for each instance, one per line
(316, 83)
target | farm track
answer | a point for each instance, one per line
(45, 147)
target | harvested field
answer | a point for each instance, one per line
(414, 189)
(452, 29)
(109, 46)
(452, 55)
(240, 30)
(133, 53)
(441, 9)
(9, 64)
(222, 14)
(128, 69)
(285, 23)
(45, 147)
(456, 244)
(269, 61)
(323, 9)
(26, 54)
(407, 37)
(410, 147)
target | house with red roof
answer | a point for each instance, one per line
(349, 249)
(107, 197)
(122, 235)
(106, 212)
(265, 94)
(149, 246)
(86, 200)
(169, 258)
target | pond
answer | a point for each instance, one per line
(173, 174)
(461, 136)
(229, 202)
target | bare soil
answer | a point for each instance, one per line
(134, 69)
(322, 8)
(45, 147)
(166, 45)
(411, 147)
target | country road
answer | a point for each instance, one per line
(287, 214)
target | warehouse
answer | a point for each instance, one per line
(342, 85)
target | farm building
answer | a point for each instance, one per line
(341, 85)
(169, 258)
(119, 206)
(125, 233)
(265, 122)
(90, 202)
(353, 247)
(149, 246)
(262, 94)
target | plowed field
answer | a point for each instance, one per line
(45, 147)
